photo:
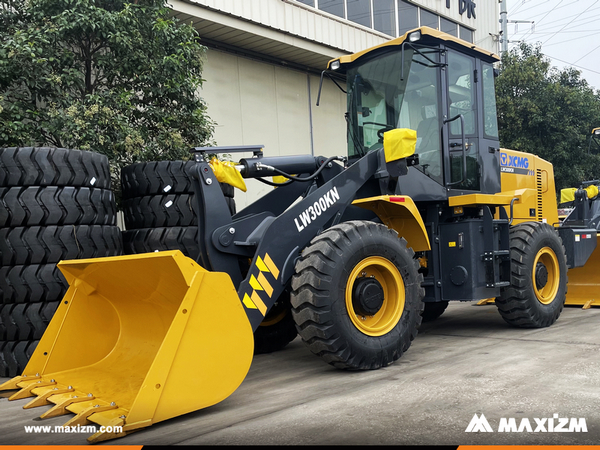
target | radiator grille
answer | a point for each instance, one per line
(538, 176)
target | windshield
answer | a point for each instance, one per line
(381, 99)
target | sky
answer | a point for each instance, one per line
(569, 31)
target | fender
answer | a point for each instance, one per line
(399, 213)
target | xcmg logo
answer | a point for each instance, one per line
(519, 162)
(554, 424)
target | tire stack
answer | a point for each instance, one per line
(55, 204)
(160, 209)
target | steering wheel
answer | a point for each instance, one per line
(385, 127)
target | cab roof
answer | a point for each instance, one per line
(428, 36)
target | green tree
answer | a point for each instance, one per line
(114, 76)
(548, 112)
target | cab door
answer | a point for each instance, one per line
(463, 170)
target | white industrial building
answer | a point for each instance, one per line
(265, 57)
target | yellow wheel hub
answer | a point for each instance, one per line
(272, 319)
(392, 286)
(545, 275)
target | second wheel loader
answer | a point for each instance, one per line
(424, 209)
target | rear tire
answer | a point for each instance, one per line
(537, 293)
(357, 295)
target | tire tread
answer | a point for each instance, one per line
(515, 304)
(45, 166)
(310, 300)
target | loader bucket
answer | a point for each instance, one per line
(584, 282)
(136, 340)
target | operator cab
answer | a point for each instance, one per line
(441, 87)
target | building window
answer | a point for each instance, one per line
(381, 16)
(335, 7)
(407, 17)
(384, 16)
(465, 34)
(359, 11)
(429, 19)
(447, 26)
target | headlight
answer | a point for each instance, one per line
(335, 65)
(415, 36)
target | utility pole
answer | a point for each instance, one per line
(503, 38)
(503, 27)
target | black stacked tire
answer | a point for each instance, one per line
(14, 356)
(25, 321)
(46, 244)
(55, 204)
(44, 166)
(160, 209)
(146, 240)
(157, 210)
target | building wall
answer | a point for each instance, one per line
(255, 102)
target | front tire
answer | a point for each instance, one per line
(433, 310)
(277, 329)
(536, 296)
(356, 296)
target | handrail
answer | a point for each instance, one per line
(464, 148)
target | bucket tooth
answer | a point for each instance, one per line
(42, 399)
(486, 301)
(26, 391)
(61, 408)
(13, 383)
(112, 424)
(82, 417)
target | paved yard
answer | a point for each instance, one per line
(468, 361)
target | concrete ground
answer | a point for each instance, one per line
(467, 362)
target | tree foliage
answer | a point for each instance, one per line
(548, 112)
(114, 76)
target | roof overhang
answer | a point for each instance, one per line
(220, 30)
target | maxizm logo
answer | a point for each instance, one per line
(554, 424)
(519, 162)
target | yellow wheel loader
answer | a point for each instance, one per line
(424, 209)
